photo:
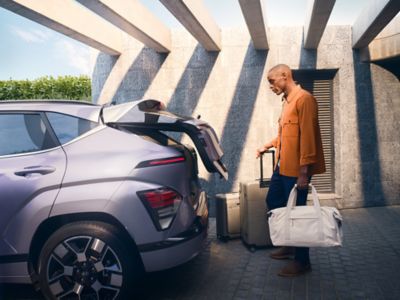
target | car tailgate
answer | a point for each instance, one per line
(151, 114)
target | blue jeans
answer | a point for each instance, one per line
(278, 195)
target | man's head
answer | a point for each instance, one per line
(280, 79)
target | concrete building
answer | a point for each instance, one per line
(220, 74)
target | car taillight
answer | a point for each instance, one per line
(161, 161)
(162, 205)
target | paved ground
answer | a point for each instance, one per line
(367, 267)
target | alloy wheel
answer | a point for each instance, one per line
(84, 267)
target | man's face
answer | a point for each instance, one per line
(277, 82)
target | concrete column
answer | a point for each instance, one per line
(386, 44)
(254, 14)
(69, 18)
(197, 20)
(317, 16)
(135, 19)
(372, 20)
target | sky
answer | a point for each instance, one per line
(29, 50)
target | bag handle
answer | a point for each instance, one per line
(262, 182)
(292, 203)
(293, 197)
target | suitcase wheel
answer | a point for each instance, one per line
(223, 238)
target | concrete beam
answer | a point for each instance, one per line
(317, 17)
(135, 19)
(69, 18)
(254, 15)
(372, 20)
(197, 20)
(386, 45)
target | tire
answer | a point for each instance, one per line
(87, 260)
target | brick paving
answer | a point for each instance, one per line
(366, 267)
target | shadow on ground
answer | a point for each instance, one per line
(366, 267)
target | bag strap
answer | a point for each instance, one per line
(292, 203)
(315, 198)
(293, 197)
(289, 205)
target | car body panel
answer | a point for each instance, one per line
(103, 171)
(29, 195)
(36, 210)
(179, 248)
(173, 256)
(15, 273)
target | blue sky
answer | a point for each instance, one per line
(29, 50)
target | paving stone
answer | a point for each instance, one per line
(365, 268)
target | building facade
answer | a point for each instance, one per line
(359, 104)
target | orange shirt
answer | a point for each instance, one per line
(299, 138)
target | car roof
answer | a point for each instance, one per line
(80, 109)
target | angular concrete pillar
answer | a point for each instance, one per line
(386, 45)
(254, 14)
(197, 20)
(372, 20)
(135, 19)
(317, 17)
(71, 19)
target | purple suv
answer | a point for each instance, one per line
(91, 196)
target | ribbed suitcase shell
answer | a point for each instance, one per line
(253, 218)
(228, 215)
(254, 229)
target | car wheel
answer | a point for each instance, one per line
(86, 260)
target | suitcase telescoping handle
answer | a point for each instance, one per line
(264, 183)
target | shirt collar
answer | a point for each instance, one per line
(292, 94)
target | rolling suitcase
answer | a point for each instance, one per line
(228, 216)
(253, 218)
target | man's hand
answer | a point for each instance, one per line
(261, 150)
(302, 180)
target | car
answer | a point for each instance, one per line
(93, 196)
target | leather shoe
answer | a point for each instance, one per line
(283, 253)
(295, 268)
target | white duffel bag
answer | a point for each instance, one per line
(305, 226)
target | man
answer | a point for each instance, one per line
(299, 156)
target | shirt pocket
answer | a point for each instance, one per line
(291, 127)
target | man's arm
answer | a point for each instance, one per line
(267, 146)
(302, 180)
(308, 122)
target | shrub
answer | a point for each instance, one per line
(62, 87)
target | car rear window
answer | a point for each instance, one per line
(23, 133)
(67, 127)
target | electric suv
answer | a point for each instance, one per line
(91, 196)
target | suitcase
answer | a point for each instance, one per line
(228, 216)
(253, 217)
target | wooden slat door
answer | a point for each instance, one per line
(320, 84)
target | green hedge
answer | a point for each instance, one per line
(62, 87)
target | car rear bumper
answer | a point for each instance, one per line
(178, 249)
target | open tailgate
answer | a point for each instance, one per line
(151, 114)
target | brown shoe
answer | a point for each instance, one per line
(283, 253)
(294, 268)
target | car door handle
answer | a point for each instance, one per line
(28, 171)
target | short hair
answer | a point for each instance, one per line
(282, 68)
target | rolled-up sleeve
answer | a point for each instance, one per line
(309, 129)
(274, 142)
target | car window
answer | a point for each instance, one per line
(22, 133)
(68, 127)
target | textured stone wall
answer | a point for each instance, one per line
(229, 89)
